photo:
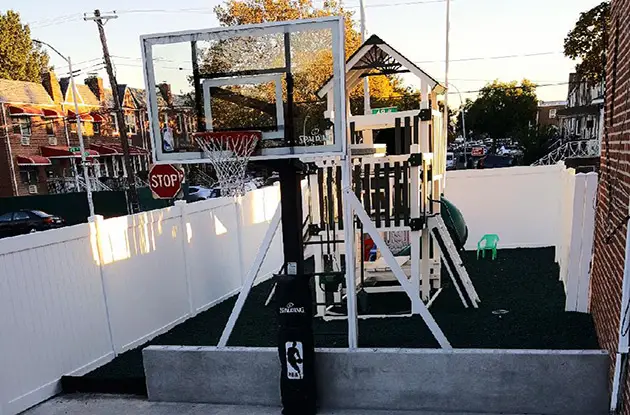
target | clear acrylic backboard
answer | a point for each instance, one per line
(262, 77)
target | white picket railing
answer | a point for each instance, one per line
(569, 150)
(73, 298)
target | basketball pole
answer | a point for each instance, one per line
(294, 307)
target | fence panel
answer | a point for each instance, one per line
(577, 266)
(144, 274)
(212, 252)
(257, 209)
(53, 320)
(519, 204)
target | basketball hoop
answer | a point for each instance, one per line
(229, 153)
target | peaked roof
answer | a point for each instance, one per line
(23, 92)
(85, 94)
(376, 54)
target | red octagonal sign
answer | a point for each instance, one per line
(165, 181)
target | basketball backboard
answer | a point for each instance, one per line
(261, 77)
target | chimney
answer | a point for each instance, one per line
(51, 85)
(165, 90)
(95, 84)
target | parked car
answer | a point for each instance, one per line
(493, 161)
(196, 193)
(450, 161)
(27, 221)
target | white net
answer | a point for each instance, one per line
(229, 156)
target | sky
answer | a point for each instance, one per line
(416, 28)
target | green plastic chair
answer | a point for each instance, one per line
(490, 242)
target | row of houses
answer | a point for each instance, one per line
(39, 145)
(580, 116)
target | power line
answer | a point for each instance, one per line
(479, 58)
(534, 86)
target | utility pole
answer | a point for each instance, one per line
(132, 193)
(366, 82)
(446, 85)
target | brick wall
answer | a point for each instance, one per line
(614, 190)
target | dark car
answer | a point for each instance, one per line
(27, 221)
(493, 161)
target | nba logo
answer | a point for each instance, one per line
(295, 364)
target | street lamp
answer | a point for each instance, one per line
(463, 111)
(88, 185)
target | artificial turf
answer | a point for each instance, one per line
(523, 282)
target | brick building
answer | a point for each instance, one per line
(547, 113)
(39, 140)
(613, 197)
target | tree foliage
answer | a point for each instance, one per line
(502, 109)
(20, 58)
(311, 61)
(312, 51)
(587, 42)
(535, 142)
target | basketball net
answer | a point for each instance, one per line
(229, 154)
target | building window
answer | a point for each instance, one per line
(73, 127)
(130, 122)
(22, 126)
(50, 127)
(97, 128)
(28, 176)
(180, 123)
(552, 113)
(114, 123)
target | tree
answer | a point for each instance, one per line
(311, 60)
(535, 142)
(502, 109)
(587, 42)
(20, 58)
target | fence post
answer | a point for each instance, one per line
(239, 234)
(95, 223)
(588, 231)
(575, 245)
(180, 205)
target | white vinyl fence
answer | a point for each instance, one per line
(73, 298)
(530, 207)
(574, 249)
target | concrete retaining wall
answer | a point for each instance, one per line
(512, 381)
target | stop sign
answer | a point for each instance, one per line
(165, 181)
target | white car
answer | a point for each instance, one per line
(201, 193)
(450, 160)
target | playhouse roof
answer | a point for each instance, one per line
(376, 54)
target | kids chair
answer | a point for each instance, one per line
(489, 242)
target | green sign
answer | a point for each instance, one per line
(78, 150)
(384, 110)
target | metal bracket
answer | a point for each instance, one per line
(416, 224)
(415, 160)
(314, 229)
(425, 114)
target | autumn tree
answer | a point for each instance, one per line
(587, 42)
(20, 58)
(311, 57)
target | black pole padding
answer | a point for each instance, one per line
(296, 347)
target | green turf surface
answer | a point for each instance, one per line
(522, 281)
